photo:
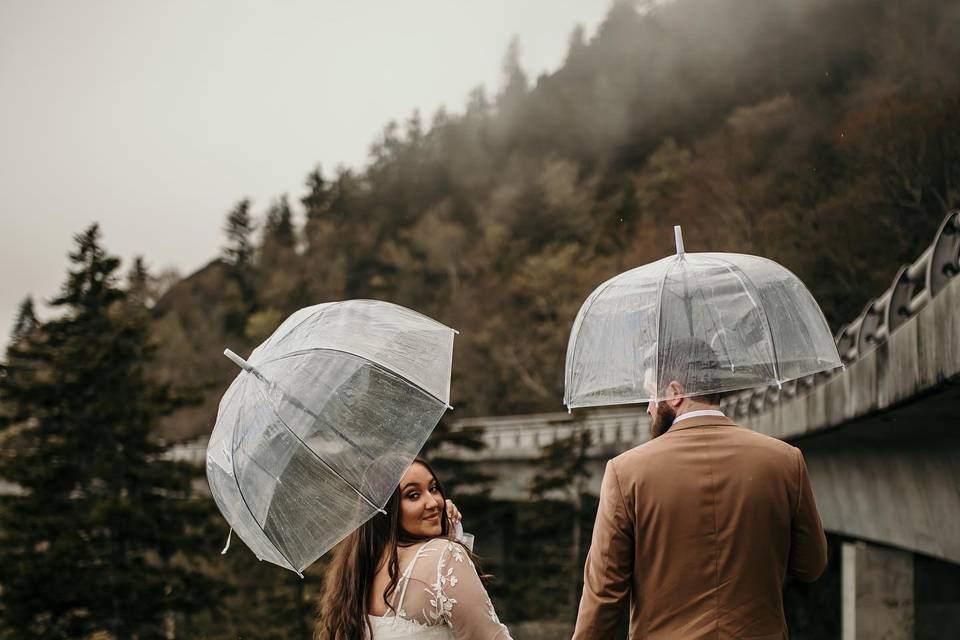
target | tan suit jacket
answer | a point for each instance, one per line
(697, 529)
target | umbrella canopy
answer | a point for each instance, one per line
(713, 322)
(315, 432)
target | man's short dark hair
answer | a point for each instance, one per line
(693, 363)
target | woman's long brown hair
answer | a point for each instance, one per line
(345, 601)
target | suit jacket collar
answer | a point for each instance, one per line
(702, 421)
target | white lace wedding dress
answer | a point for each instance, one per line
(440, 597)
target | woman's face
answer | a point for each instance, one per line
(421, 503)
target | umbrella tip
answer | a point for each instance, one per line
(237, 360)
(678, 236)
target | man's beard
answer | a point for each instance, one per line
(663, 420)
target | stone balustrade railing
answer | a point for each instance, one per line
(523, 437)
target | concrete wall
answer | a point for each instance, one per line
(905, 495)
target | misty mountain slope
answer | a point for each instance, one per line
(824, 135)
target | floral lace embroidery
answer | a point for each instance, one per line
(440, 603)
(492, 611)
(443, 604)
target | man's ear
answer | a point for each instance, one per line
(675, 394)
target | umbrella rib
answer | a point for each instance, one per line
(236, 479)
(745, 280)
(321, 460)
(717, 322)
(294, 328)
(656, 351)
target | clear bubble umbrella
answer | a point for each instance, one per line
(713, 322)
(315, 432)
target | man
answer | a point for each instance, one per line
(698, 527)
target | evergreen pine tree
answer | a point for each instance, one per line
(26, 320)
(278, 228)
(577, 44)
(278, 240)
(514, 77)
(512, 98)
(239, 229)
(138, 284)
(319, 195)
(99, 536)
(238, 254)
(563, 468)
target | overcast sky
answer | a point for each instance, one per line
(154, 117)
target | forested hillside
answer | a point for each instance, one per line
(824, 134)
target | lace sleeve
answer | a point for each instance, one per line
(456, 596)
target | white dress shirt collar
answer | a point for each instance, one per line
(697, 414)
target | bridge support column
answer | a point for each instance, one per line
(877, 596)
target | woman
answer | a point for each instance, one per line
(401, 576)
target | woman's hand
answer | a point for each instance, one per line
(453, 514)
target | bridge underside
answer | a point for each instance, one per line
(893, 477)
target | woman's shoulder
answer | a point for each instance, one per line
(440, 543)
(449, 554)
(441, 549)
(421, 549)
